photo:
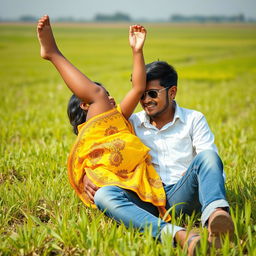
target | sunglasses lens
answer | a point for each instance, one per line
(153, 94)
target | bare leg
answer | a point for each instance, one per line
(77, 82)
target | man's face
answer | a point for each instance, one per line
(156, 106)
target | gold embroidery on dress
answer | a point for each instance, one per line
(115, 158)
(96, 155)
(122, 174)
(111, 130)
(97, 121)
(118, 144)
(157, 183)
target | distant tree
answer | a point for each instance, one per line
(28, 18)
(212, 18)
(114, 17)
(239, 18)
(121, 17)
(65, 19)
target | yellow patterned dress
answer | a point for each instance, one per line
(109, 153)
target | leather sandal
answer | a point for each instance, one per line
(220, 224)
(193, 243)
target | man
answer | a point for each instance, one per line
(184, 155)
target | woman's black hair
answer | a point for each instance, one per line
(75, 113)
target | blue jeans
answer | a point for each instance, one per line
(201, 189)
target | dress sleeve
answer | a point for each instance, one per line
(128, 123)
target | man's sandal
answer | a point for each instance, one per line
(193, 244)
(220, 224)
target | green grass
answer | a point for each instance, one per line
(39, 212)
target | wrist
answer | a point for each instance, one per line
(137, 51)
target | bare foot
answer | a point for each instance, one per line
(46, 39)
(188, 241)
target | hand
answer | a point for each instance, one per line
(137, 36)
(89, 188)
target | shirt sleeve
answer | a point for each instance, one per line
(202, 137)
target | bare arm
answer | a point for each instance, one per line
(137, 36)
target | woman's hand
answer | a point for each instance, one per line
(89, 188)
(137, 36)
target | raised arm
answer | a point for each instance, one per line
(137, 36)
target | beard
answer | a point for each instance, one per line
(163, 109)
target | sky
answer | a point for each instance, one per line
(148, 9)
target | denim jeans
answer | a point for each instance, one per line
(201, 189)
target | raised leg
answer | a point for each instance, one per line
(77, 82)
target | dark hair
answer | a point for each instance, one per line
(162, 71)
(76, 115)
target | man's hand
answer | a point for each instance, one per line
(89, 188)
(137, 36)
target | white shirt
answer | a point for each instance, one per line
(175, 145)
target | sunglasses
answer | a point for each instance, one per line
(153, 93)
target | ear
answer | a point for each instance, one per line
(172, 92)
(84, 106)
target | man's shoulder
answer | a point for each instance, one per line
(190, 114)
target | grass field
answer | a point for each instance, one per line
(39, 212)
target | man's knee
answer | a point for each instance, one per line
(105, 196)
(210, 159)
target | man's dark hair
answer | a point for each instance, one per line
(162, 71)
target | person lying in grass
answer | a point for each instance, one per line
(106, 149)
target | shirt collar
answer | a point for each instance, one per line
(178, 113)
(145, 120)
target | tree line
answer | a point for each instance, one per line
(122, 17)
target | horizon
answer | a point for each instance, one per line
(193, 18)
(144, 9)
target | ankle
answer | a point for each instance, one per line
(183, 236)
(180, 237)
(53, 56)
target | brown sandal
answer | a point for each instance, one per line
(220, 224)
(193, 244)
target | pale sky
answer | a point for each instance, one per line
(150, 9)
